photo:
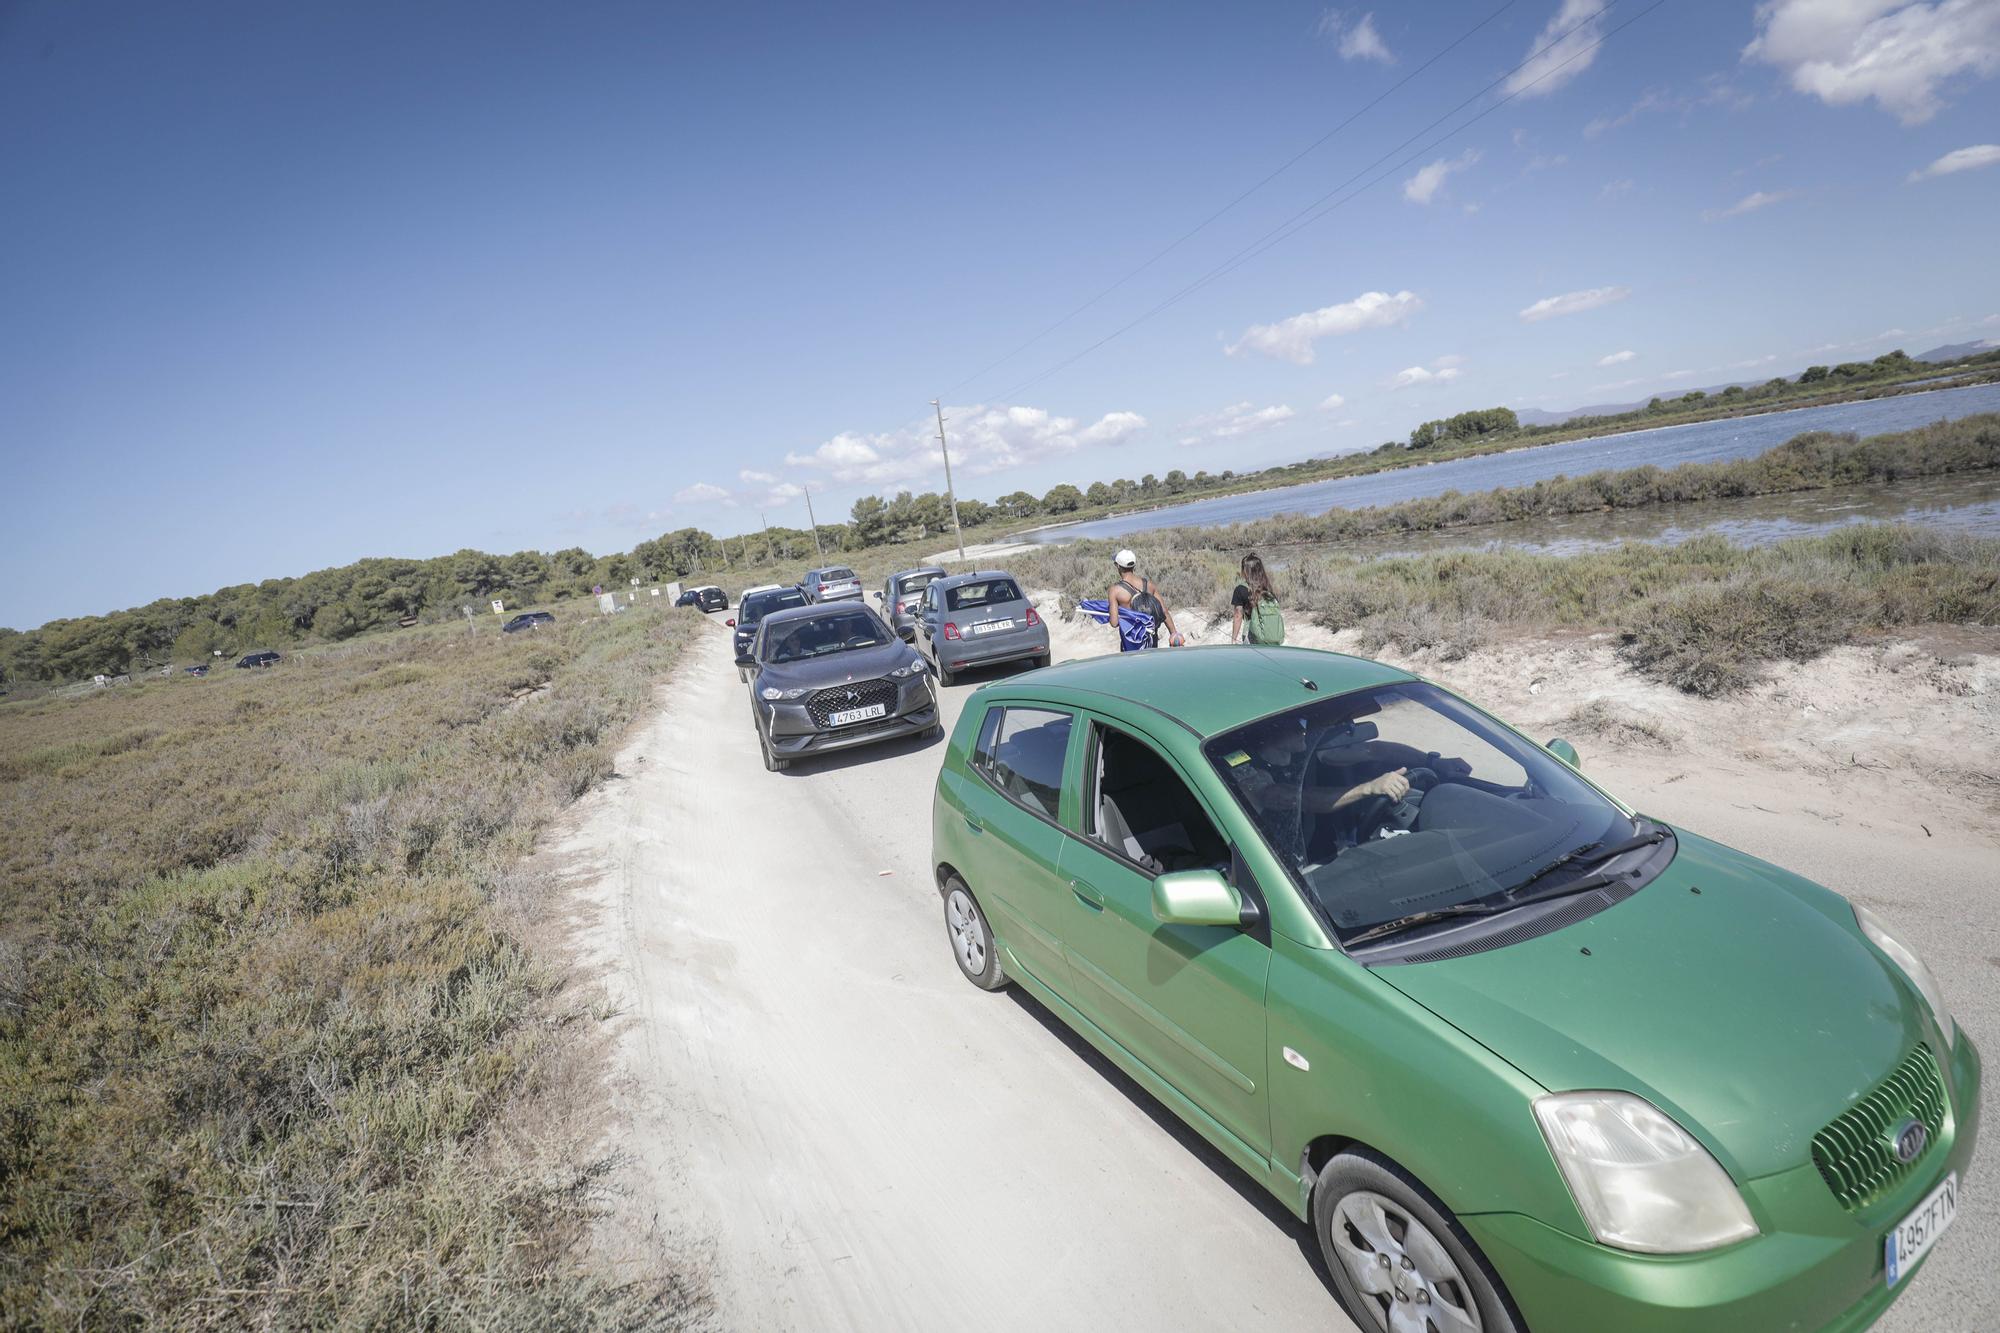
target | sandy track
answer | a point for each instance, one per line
(848, 1135)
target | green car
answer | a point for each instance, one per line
(1521, 1056)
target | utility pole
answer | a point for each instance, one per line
(818, 550)
(949, 493)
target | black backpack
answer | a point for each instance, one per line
(1145, 602)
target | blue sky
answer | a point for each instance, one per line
(288, 285)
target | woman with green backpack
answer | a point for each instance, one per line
(1255, 617)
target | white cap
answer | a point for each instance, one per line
(1125, 559)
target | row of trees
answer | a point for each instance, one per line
(908, 517)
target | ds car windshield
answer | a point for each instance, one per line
(816, 636)
(1399, 801)
(759, 605)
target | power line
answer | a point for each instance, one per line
(1280, 170)
(1314, 211)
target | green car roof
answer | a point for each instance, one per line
(1215, 688)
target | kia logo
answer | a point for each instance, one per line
(1910, 1141)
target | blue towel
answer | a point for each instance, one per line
(1135, 628)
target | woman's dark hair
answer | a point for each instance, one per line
(1257, 580)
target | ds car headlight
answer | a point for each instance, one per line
(1913, 968)
(916, 668)
(1640, 1180)
(773, 694)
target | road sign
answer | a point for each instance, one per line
(499, 607)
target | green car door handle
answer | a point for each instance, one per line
(1086, 895)
(974, 825)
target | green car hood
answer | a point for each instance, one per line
(1751, 1012)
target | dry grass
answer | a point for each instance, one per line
(278, 1042)
(1703, 616)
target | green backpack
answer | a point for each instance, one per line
(1267, 623)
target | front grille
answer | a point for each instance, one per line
(1854, 1154)
(840, 698)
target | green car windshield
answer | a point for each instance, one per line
(1483, 811)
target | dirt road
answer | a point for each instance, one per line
(848, 1135)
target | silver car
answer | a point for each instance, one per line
(901, 593)
(830, 677)
(974, 620)
(835, 583)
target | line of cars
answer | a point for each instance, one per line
(1519, 1055)
(828, 672)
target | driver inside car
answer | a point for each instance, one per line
(1273, 779)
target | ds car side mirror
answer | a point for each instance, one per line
(1566, 752)
(1197, 898)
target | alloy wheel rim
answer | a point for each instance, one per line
(968, 932)
(1406, 1277)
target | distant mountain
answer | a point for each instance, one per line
(1953, 351)
(1535, 416)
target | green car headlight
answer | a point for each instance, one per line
(1640, 1180)
(1913, 967)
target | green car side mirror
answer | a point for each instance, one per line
(1564, 751)
(1196, 898)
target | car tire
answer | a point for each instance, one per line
(772, 763)
(971, 938)
(1386, 1240)
(944, 675)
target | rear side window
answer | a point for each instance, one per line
(984, 592)
(1020, 751)
(836, 576)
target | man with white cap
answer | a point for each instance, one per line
(1142, 598)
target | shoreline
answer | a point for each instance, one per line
(1032, 534)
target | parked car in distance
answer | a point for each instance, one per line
(899, 597)
(198, 669)
(751, 609)
(528, 620)
(1520, 1056)
(830, 677)
(835, 583)
(263, 659)
(973, 620)
(706, 598)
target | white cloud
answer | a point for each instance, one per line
(984, 439)
(1357, 40)
(1423, 187)
(1441, 371)
(1990, 319)
(1961, 159)
(1236, 419)
(1573, 303)
(1749, 203)
(1331, 401)
(1292, 339)
(700, 493)
(1362, 42)
(1899, 54)
(1615, 189)
(1715, 91)
(1616, 359)
(756, 478)
(1677, 374)
(1570, 38)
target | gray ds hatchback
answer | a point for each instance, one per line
(974, 620)
(830, 677)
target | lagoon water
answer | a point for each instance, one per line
(1664, 446)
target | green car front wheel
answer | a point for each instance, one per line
(1399, 1260)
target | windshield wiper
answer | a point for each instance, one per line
(1593, 853)
(1575, 886)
